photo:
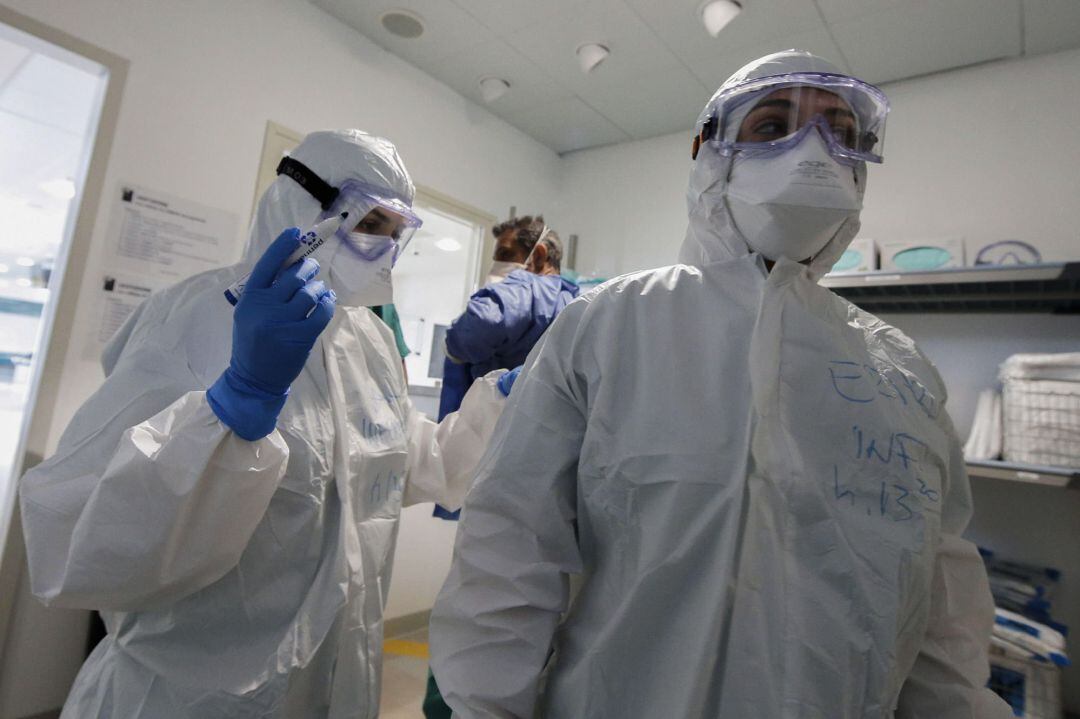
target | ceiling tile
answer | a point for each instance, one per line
(447, 28)
(1051, 25)
(34, 152)
(928, 36)
(664, 65)
(11, 56)
(566, 125)
(841, 10)
(50, 92)
(507, 16)
(723, 63)
(656, 103)
(634, 48)
(529, 85)
(762, 23)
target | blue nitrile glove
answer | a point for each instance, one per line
(275, 325)
(507, 380)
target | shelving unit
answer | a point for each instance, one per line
(1060, 477)
(1051, 288)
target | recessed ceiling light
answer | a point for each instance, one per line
(718, 13)
(448, 244)
(403, 24)
(590, 55)
(23, 282)
(25, 262)
(492, 88)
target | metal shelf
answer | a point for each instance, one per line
(1061, 477)
(1031, 288)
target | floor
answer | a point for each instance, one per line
(405, 670)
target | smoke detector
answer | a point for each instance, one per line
(492, 88)
(717, 14)
(590, 55)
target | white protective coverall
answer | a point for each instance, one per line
(236, 578)
(759, 486)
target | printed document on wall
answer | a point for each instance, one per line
(154, 240)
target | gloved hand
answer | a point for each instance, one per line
(506, 382)
(275, 325)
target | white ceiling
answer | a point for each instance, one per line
(47, 107)
(664, 66)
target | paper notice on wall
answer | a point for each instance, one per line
(154, 240)
(167, 238)
(119, 298)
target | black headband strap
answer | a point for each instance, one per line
(315, 185)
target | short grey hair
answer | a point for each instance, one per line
(528, 237)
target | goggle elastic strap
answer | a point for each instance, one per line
(706, 134)
(323, 192)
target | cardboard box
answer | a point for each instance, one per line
(936, 253)
(860, 256)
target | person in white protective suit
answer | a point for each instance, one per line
(246, 577)
(756, 481)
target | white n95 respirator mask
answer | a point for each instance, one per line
(357, 280)
(791, 203)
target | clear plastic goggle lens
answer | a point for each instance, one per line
(372, 247)
(772, 112)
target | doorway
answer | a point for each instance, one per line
(440, 269)
(50, 106)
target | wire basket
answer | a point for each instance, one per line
(1032, 689)
(1041, 403)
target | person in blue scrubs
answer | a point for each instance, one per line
(509, 314)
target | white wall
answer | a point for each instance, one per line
(979, 152)
(627, 203)
(205, 76)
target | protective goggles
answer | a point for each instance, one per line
(775, 113)
(384, 222)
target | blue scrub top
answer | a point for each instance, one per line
(498, 330)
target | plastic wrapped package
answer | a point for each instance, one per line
(1041, 405)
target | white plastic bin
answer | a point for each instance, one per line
(1041, 403)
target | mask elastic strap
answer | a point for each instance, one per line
(325, 193)
(543, 234)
